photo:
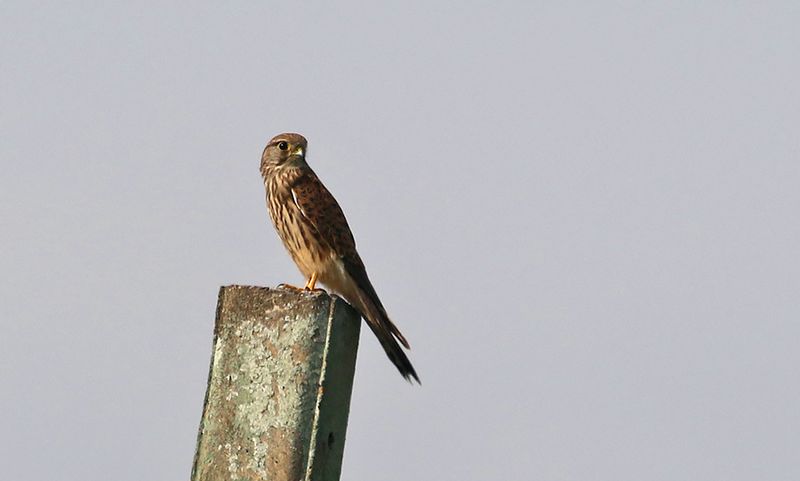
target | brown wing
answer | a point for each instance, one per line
(324, 213)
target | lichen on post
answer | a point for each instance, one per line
(279, 386)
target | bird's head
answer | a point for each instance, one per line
(284, 151)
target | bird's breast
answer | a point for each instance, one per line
(298, 234)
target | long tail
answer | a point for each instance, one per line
(366, 302)
(394, 351)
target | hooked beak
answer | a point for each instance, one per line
(299, 152)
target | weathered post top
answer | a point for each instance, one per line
(279, 386)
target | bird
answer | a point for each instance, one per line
(315, 232)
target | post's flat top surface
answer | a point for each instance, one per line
(278, 354)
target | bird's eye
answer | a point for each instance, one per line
(283, 145)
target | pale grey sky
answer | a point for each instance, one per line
(584, 217)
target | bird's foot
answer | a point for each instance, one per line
(289, 286)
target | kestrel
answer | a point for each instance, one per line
(314, 230)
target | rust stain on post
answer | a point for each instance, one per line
(279, 386)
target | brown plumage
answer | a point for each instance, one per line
(314, 230)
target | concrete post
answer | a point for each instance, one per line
(278, 388)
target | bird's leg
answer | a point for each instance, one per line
(312, 281)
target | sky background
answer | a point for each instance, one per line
(583, 216)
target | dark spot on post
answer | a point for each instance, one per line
(330, 439)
